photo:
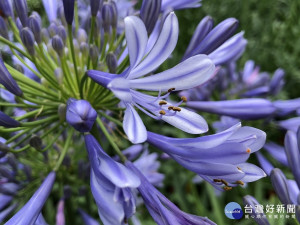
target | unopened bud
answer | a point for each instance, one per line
(3, 28)
(36, 142)
(27, 38)
(35, 26)
(69, 10)
(22, 11)
(58, 45)
(112, 63)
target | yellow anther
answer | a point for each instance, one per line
(171, 89)
(240, 182)
(170, 107)
(248, 150)
(162, 102)
(162, 112)
(226, 188)
(239, 168)
(184, 99)
(176, 109)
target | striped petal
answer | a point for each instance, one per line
(161, 50)
(190, 73)
(137, 38)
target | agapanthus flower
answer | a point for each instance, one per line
(192, 72)
(111, 184)
(162, 210)
(220, 158)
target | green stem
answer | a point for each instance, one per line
(34, 123)
(93, 21)
(29, 114)
(118, 122)
(64, 151)
(7, 42)
(215, 205)
(110, 140)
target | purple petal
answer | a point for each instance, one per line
(40, 220)
(179, 4)
(264, 163)
(121, 89)
(137, 38)
(277, 152)
(88, 220)
(34, 206)
(105, 166)
(290, 124)
(252, 172)
(161, 50)
(187, 121)
(190, 73)
(51, 9)
(134, 126)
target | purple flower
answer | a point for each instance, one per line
(51, 9)
(7, 81)
(149, 13)
(40, 220)
(287, 106)
(224, 123)
(190, 73)
(22, 11)
(290, 124)
(29, 213)
(111, 184)
(247, 109)
(60, 215)
(163, 211)
(219, 158)
(80, 114)
(277, 152)
(264, 163)
(217, 43)
(6, 8)
(179, 4)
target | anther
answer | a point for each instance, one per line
(226, 188)
(248, 150)
(176, 109)
(170, 107)
(240, 182)
(171, 89)
(184, 99)
(224, 182)
(162, 112)
(239, 168)
(217, 180)
(162, 102)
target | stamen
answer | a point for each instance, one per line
(184, 99)
(226, 188)
(224, 182)
(171, 89)
(217, 180)
(162, 102)
(162, 112)
(176, 109)
(248, 150)
(239, 168)
(170, 107)
(240, 182)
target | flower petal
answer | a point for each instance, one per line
(264, 163)
(161, 50)
(189, 73)
(134, 126)
(137, 38)
(253, 172)
(187, 121)
(51, 9)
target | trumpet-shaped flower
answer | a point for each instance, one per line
(163, 211)
(219, 158)
(111, 184)
(190, 73)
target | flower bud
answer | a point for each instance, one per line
(62, 33)
(259, 217)
(35, 26)
(58, 45)
(280, 184)
(3, 28)
(19, 24)
(5, 8)
(7, 80)
(22, 11)
(114, 21)
(45, 35)
(28, 40)
(80, 114)
(69, 10)
(112, 63)
(7, 121)
(36, 142)
(52, 29)
(95, 6)
(107, 16)
(81, 35)
(149, 13)
(94, 54)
